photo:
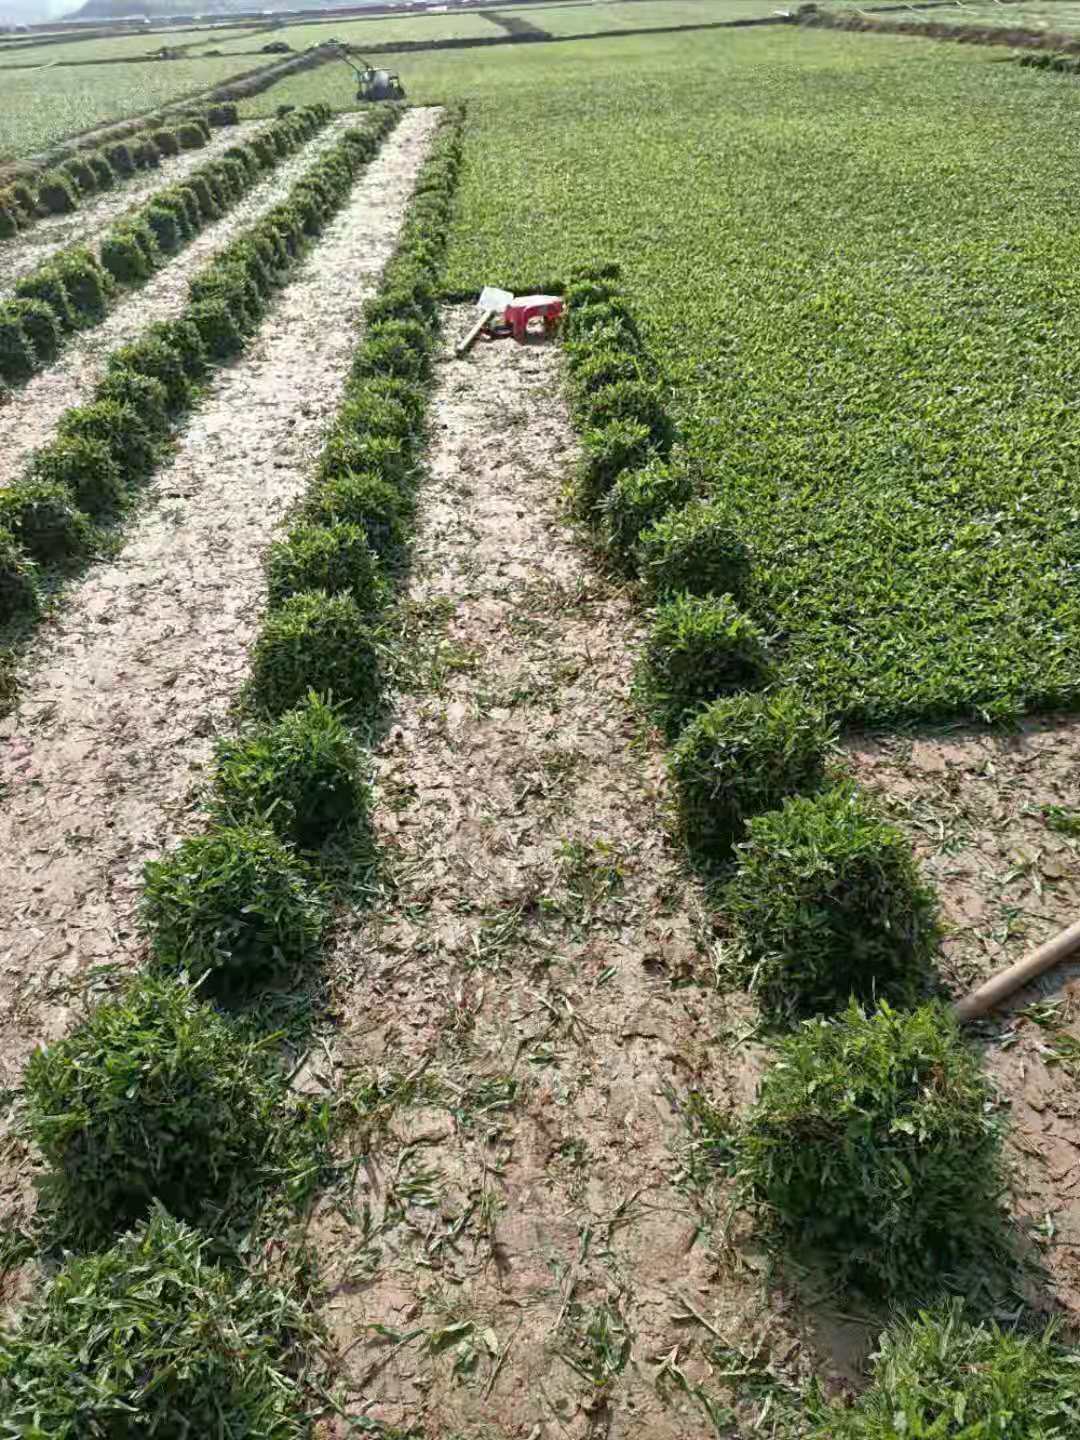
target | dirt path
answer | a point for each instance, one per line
(526, 1001)
(32, 412)
(134, 677)
(24, 253)
(995, 819)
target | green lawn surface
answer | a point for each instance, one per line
(380, 30)
(643, 14)
(40, 107)
(858, 258)
(114, 47)
(1063, 17)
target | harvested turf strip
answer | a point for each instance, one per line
(53, 233)
(119, 709)
(31, 415)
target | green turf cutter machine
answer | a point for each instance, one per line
(372, 84)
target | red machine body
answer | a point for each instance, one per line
(525, 308)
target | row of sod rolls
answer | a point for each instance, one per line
(874, 1148)
(63, 189)
(822, 894)
(169, 1109)
(78, 486)
(248, 896)
(1049, 60)
(72, 290)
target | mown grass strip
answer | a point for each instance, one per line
(76, 286)
(160, 1056)
(960, 33)
(55, 113)
(79, 486)
(64, 188)
(290, 785)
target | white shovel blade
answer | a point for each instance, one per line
(492, 298)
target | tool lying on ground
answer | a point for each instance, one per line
(502, 314)
(999, 987)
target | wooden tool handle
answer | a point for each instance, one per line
(1002, 985)
(470, 339)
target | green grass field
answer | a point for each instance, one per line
(1063, 16)
(115, 47)
(859, 259)
(377, 31)
(643, 14)
(40, 107)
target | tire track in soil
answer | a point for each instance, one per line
(31, 414)
(24, 253)
(541, 936)
(136, 673)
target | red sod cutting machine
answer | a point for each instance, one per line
(502, 314)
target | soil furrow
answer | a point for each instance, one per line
(527, 1003)
(24, 253)
(31, 414)
(137, 672)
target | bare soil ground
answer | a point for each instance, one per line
(31, 414)
(528, 1247)
(134, 676)
(533, 1242)
(23, 253)
(995, 819)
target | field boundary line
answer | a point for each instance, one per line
(1018, 38)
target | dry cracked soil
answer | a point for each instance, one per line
(136, 671)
